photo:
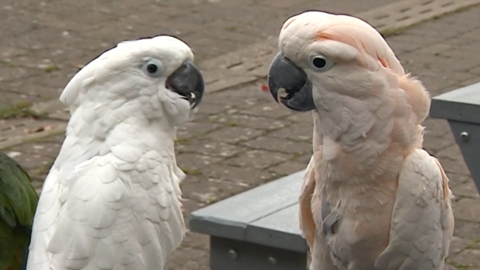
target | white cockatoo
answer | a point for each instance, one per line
(112, 198)
(372, 197)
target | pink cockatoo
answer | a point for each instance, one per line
(372, 197)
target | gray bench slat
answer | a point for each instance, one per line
(462, 105)
(281, 229)
(229, 218)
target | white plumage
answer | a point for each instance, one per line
(112, 198)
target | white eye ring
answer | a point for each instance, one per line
(320, 63)
(153, 68)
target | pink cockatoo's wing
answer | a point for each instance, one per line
(307, 224)
(422, 221)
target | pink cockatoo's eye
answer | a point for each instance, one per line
(320, 63)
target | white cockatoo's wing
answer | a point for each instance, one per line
(129, 215)
(422, 221)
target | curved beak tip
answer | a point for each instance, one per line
(273, 89)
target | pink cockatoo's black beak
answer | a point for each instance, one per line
(284, 74)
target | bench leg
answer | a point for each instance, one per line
(467, 136)
(228, 254)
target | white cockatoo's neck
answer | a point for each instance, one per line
(95, 129)
(94, 120)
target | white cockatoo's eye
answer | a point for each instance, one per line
(153, 68)
(320, 63)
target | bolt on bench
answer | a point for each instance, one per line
(461, 107)
(257, 229)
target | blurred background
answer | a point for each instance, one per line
(240, 138)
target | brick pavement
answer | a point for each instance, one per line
(240, 137)
(48, 40)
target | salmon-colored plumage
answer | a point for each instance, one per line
(361, 36)
(389, 199)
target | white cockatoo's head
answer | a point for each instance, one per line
(153, 76)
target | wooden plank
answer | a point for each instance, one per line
(229, 218)
(280, 229)
(462, 105)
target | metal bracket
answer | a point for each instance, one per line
(467, 137)
(228, 254)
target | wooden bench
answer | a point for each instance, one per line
(257, 229)
(461, 108)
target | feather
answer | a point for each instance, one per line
(419, 237)
(18, 201)
(388, 200)
(112, 199)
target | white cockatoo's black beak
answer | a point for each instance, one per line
(284, 74)
(188, 82)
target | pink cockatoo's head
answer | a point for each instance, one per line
(340, 66)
